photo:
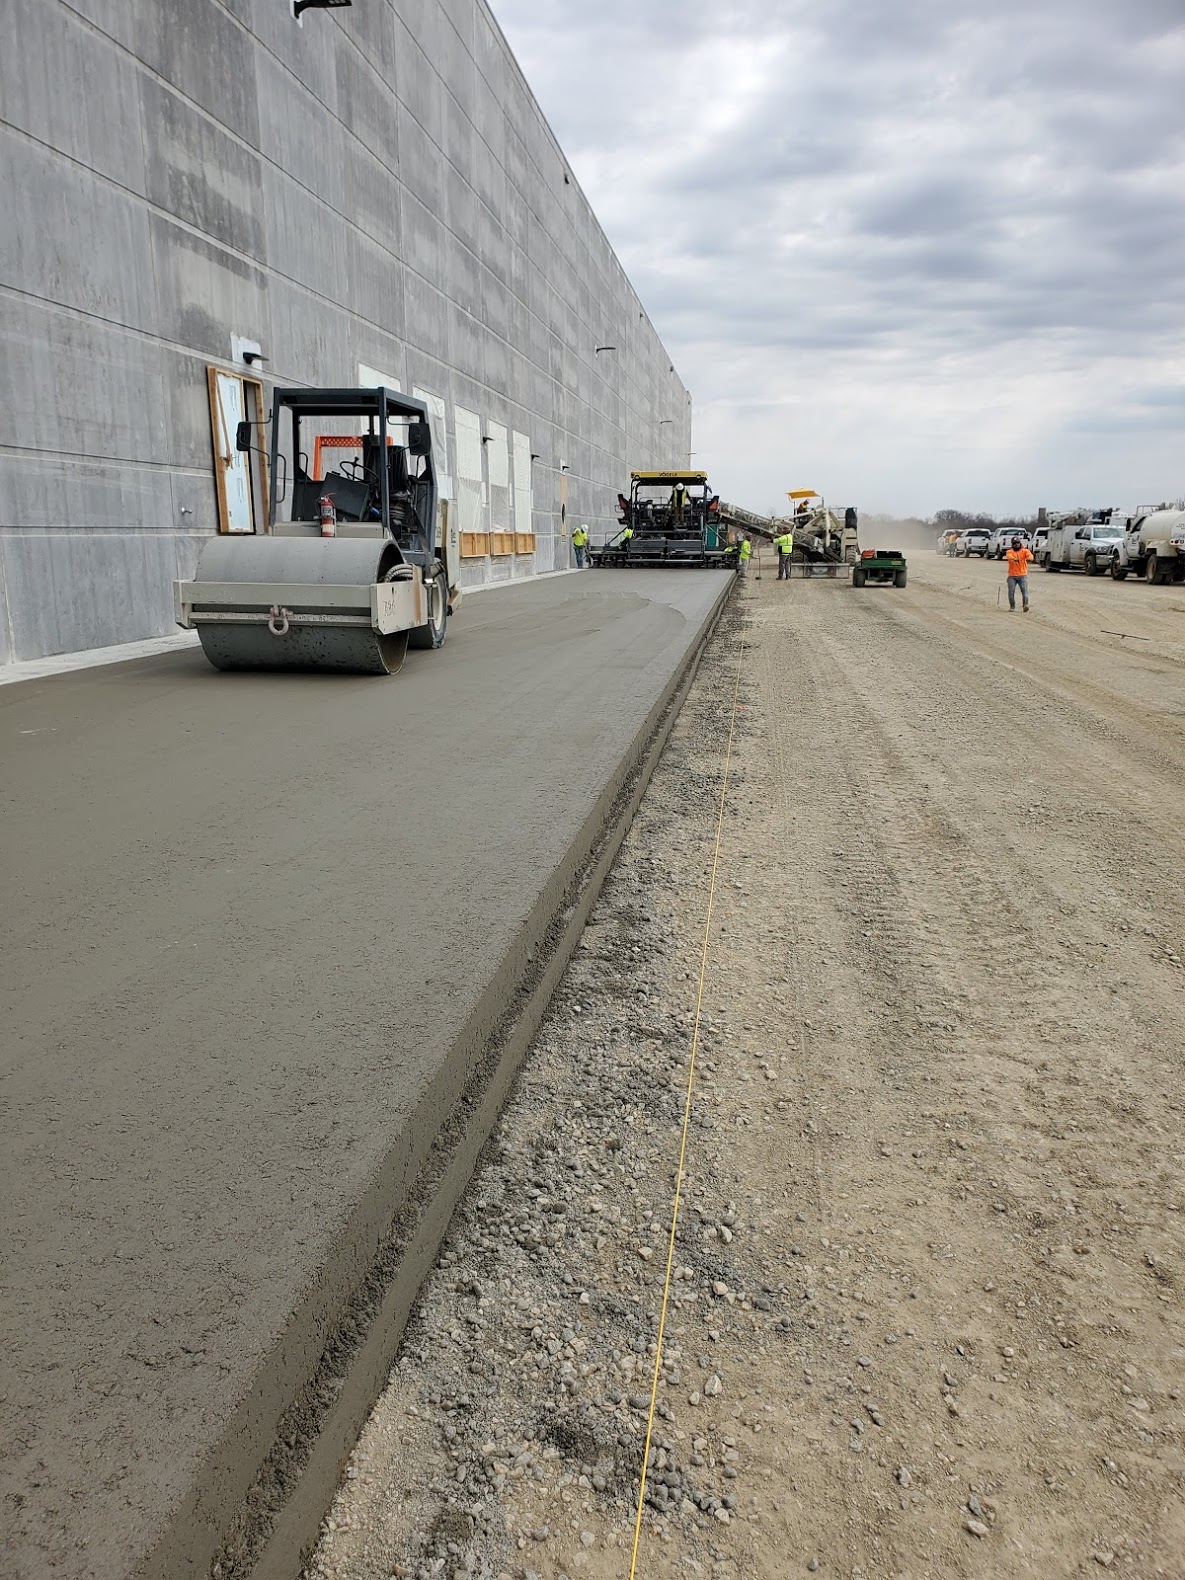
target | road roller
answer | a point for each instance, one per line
(351, 569)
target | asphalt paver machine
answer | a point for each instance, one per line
(670, 519)
(351, 570)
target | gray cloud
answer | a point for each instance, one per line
(858, 226)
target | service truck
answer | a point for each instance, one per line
(1074, 544)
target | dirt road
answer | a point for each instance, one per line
(926, 1315)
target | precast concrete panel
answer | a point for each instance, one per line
(200, 174)
(373, 186)
(102, 132)
(202, 52)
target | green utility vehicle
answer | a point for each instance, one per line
(879, 565)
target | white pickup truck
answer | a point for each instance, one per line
(1001, 541)
(1153, 547)
(1082, 545)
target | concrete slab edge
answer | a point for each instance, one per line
(258, 1500)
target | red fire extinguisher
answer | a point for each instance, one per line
(328, 517)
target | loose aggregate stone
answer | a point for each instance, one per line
(924, 1315)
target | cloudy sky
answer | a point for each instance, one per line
(912, 253)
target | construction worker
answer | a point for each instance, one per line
(1019, 559)
(744, 552)
(785, 547)
(623, 541)
(580, 544)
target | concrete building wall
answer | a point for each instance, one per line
(369, 188)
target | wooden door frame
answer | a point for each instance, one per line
(257, 463)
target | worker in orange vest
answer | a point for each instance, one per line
(1018, 561)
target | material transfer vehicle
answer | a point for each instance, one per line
(351, 570)
(824, 537)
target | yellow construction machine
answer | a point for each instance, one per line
(670, 519)
(823, 539)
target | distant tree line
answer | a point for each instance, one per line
(941, 521)
(960, 520)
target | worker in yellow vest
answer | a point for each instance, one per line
(623, 541)
(580, 544)
(785, 547)
(744, 554)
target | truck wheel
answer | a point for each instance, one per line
(899, 579)
(1118, 571)
(859, 577)
(1152, 569)
(1050, 564)
(1090, 565)
(434, 630)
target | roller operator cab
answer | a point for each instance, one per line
(670, 519)
(352, 569)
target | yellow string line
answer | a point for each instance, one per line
(699, 999)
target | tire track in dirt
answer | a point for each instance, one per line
(910, 819)
(933, 1249)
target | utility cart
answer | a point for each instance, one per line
(886, 566)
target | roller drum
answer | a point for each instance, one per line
(274, 559)
(325, 649)
(330, 646)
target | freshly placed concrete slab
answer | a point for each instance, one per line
(262, 932)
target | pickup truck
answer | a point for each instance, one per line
(1087, 546)
(1153, 547)
(974, 541)
(1001, 541)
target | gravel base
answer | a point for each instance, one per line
(516, 1414)
(926, 1322)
